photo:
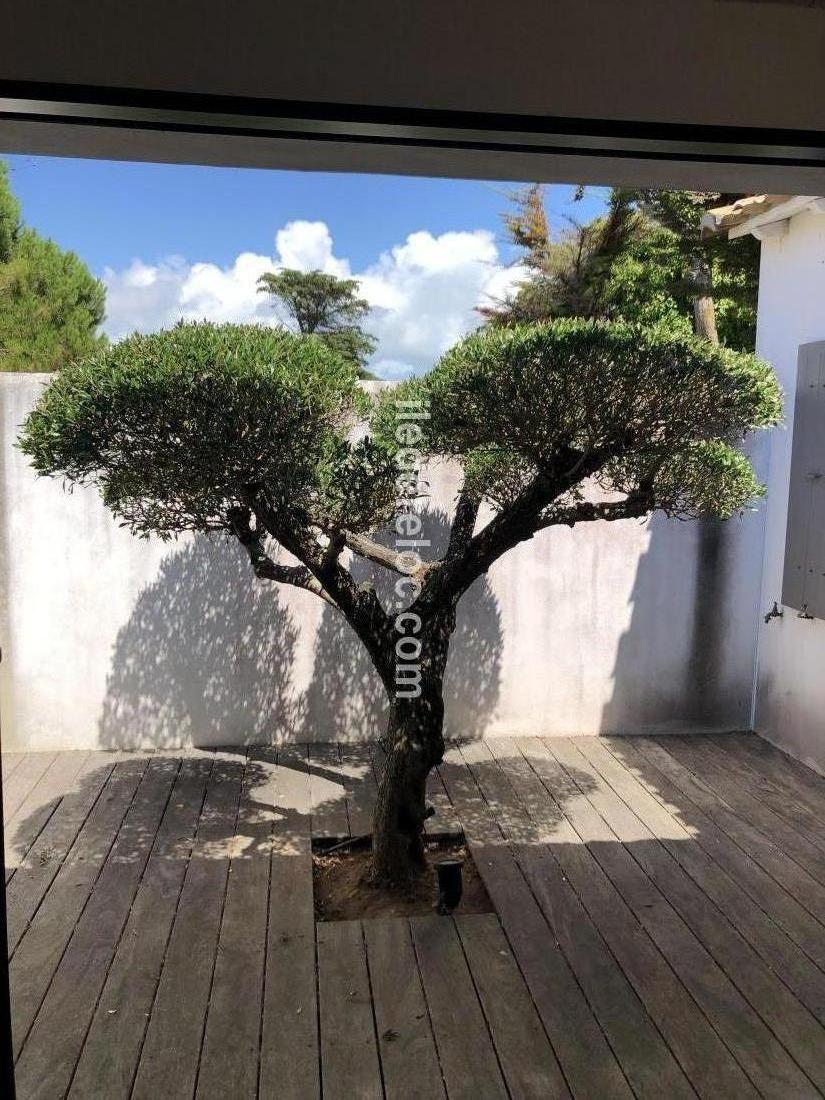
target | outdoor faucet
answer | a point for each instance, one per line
(774, 613)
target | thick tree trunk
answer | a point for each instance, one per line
(704, 309)
(704, 318)
(414, 745)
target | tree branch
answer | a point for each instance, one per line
(299, 576)
(359, 604)
(516, 523)
(633, 506)
(521, 520)
(464, 521)
(332, 552)
(373, 551)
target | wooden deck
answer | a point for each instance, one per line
(659, 927)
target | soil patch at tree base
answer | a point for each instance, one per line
(342, 891)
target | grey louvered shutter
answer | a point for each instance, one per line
(804, 576)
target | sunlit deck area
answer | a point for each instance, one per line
(659, 926)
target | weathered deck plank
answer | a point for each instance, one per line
(748, 857)
(660, 927)
(360, 787)
(23, 780)
(778, 787)
(616, 798)
(28, 821)
(169, 1058)
(789, 857)
(289, 1067)
(110, 1054)
(349, 1051)
(467, 1056)
(778, 767)
(726, 783)
(444, 821)
(9, 763)
(409, 1059)
(527, 1061)
(673, 828)
(755, 1048)
(235, 997)
(34, 876)
(328, 792)
(587, 917)
(589, 1065)
(788, 800)
(289, 1049)
(54, 1044)
(36, 958)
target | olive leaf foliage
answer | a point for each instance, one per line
(641, 412)
(552, 423)
(174, 426)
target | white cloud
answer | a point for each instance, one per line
(423, 292)
(307, 246)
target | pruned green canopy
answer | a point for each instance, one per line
(173, 426)
(655, 410)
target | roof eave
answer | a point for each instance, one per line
(770, 222)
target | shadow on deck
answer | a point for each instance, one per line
(659, 926)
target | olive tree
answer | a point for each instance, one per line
(249, 431)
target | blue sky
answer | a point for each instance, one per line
(172, 240)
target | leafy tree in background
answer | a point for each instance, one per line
(714, 280)
(248, 431)
(50, 304)
(327, 306)
(573, 275)
(9, 215)
(644, 260)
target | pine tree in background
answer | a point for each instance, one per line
(50, 303)
(571, 276)
(327, 306)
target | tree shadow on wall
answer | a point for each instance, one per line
(694, 629)
(346, 700)
(206, 656)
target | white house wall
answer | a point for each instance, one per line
(790, 696)
(110, 641)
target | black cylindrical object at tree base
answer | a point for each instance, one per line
(449, 884)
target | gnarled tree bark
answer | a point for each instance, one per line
(414, 739)
(414, 745)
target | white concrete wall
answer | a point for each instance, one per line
(110, 641)
(790, 696)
